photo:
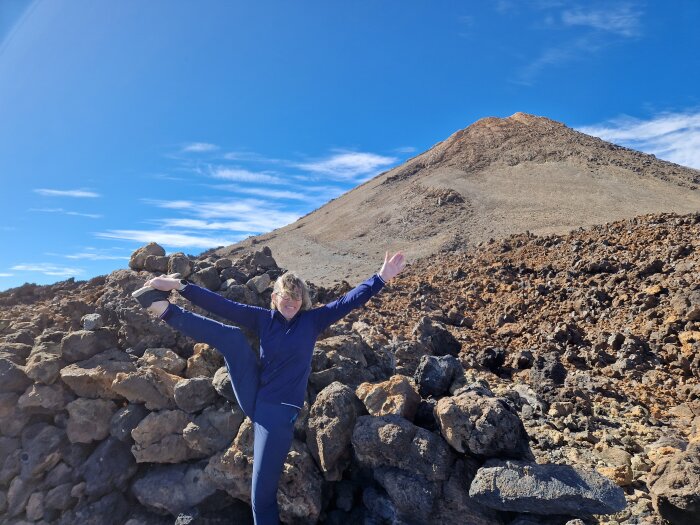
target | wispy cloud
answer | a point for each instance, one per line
(243, 175)
(622, 20)
(47, 269)
(255, 225)
(3, 274)
(250, 156)
(349, 165)
(168, 238)
(199, 147)
(66, 212)
(405, 149)
(670, 136)
(67, 193)
(265, 192)
(598, 29)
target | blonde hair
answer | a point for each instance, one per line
(293, 285)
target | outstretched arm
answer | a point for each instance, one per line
(332, 312)
(239, 313)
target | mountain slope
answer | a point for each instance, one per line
(492, 179)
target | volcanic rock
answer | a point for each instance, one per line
(396, 396)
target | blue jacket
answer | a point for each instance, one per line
(286, 347)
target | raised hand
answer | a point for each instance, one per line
(165, 282)
(392, 267)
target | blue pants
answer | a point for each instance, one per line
(273, 422)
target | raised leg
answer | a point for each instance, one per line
(241, 361)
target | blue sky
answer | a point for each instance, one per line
(196, 124)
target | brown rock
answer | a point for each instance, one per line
(205, 361)
(44, 367)
(45, 399)
(88, 419)
(484, 426)
(397, 396)
(94, 377)
(331, 421)
(162, 358)
(673, 484)
(138, 258)
(149, 385)
(158, 438)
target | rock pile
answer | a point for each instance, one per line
(532, 380)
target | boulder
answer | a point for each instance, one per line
(83, 344)
(205, 361)
(396, 396)
(340, 358)
(59, 497)
(331, 421)
(156, 264)
(518, 486)
(232, 469)
(88, 419)
(42, 448)
(17, 496)
(94, 377)
(192, 395)
(300, 486)
(213, 430)
(180, 263)
(158, 438)
(44, 367)
(91, 322)
(112, 509)
(149, 385)
(686, 305)
(207, 278)
(108, 468)
(12, 377)
(12, 418)
(20, 350)
(259, 283)
(138, 258)
(162, 358)
(222, 384)
(125, 420)
(483, 426)
(673, 483)
(392, 441)
(412, 495)
(436, 337)
(45, 399)
(434, 374)
(407, 355)
(173, 488)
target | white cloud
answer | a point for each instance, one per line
(405, 149)
(168, 238)
(621, 20)
(241, 175)
(66, 193)
(7, 274)
(264, 192)
(199, 147)
(48, 269)
(66, 212)
(670, 136)
(349, 165)
(249, 156)
(259, 223)
(91, 256)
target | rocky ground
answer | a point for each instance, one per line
(531, 380)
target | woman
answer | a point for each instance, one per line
(269, 386)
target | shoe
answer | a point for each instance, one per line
(146, 296)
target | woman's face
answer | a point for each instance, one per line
(288, 304)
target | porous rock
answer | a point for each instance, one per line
(205, 361)
(214, 429)
(435, 374)
(125, 420)
(392, 441)
(158, 438)
(138, 258)
(519, 486)
(88, 419)
(149, 385)
(481, 425)
(436, 337)
(397, 396)
(173, 488)
(83, 344)
(108, 468)
(44, 367)
(330, 424)
(94, 377)
(674, 482)
(192, 395)
(162, 358)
